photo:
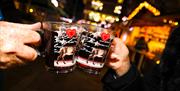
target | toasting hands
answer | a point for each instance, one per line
(14, 49)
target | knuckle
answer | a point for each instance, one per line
(8, 61)
(7, 48)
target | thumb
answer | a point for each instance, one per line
(39, 25)
(114, 56)
(35, 26)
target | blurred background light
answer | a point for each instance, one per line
(31, 10)
(54, 2)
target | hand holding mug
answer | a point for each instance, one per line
(14, 41)
(118, 57)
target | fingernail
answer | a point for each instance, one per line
(35, 56)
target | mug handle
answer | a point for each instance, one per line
(40, 48)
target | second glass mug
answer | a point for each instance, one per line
(65, 45)
(93, 48)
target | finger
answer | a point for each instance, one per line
(34, 26)
(30, 37)
(24, 36)
(114, 56)
(26, 52)
(37, 26)
(21, 34)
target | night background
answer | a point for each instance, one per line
(128, 19)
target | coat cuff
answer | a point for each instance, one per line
(114, 82)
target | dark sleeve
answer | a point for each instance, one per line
(152, 79)
(131, 81)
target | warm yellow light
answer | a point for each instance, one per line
(158, 62)
(97, 18)
(176, 23)
(117, 9)
(170, 21)
(120, 1)
(147, 6)
(31, 10)
(17, 4)
(117, 19)
(93, 23)
(157, 13)
(153, 10)
(54, 2)
(164, 20)
(97, 5)
(124, 18)
(103, 16)
(141, 5)
(101, 7)
(110, 19)
(94, 16)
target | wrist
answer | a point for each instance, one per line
(124, 68)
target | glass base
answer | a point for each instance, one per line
(61, 70)
(90, 70)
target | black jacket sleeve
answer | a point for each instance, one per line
(131, 81)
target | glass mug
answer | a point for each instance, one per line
(93, 48)
(59, 42)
